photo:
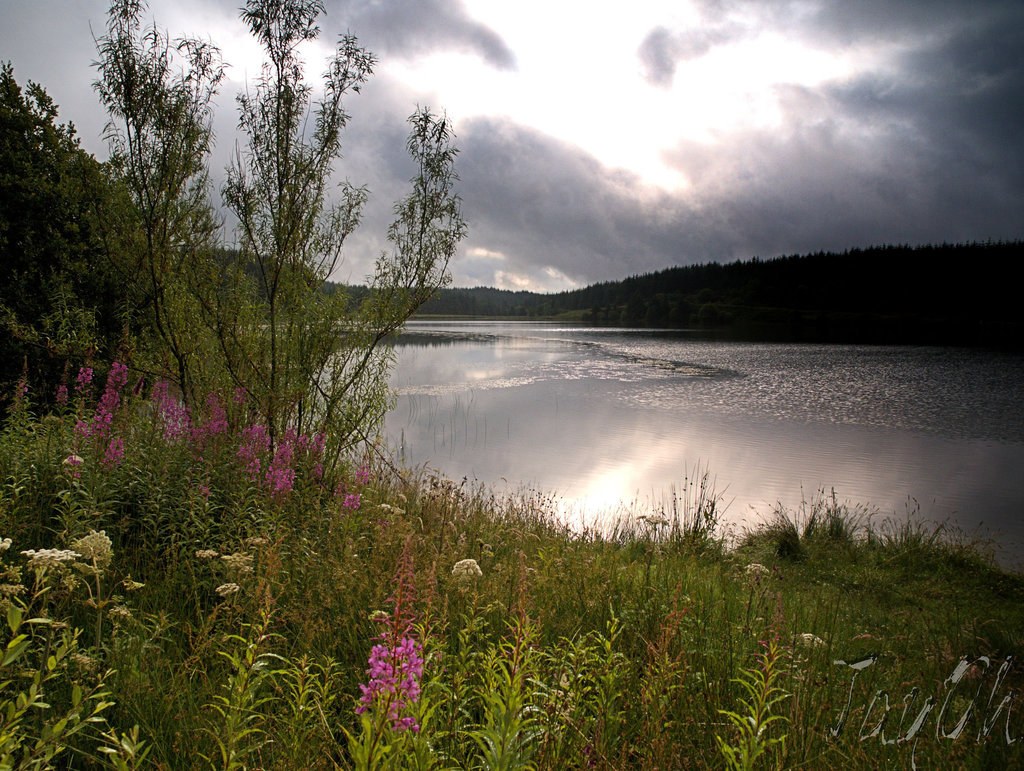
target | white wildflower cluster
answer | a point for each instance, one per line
(379, 616)
(10, 590)
(207, 554)
(120, 612)
(239, 562)
(387, 508)
(256, 540)
(467, 569)
(226, 590)
(94, 547)
(48, 558)
(808, 640)
(757, 571)
(85, 663)
(654, 520)
(5, 544)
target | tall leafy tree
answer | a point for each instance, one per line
(158, 94)
(58, 300)
(308, 356)
(264, 318)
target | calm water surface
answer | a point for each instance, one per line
(601, 416)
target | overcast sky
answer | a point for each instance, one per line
(600, 140)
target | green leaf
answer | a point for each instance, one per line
(13, 618)
(15, 650)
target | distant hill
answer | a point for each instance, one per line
(950, 294)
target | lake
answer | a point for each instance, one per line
(604, 418)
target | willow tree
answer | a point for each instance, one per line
(158, 94)
(263, 317)
(310, 357)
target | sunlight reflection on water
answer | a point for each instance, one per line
(598, 416)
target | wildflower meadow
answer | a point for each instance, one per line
(182, 593)
(207, 561)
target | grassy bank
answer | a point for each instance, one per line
(212, 601)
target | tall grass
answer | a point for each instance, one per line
(254, 609)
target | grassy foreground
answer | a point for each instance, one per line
(179, 593)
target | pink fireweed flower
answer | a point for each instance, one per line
(115, 452)
(316, 445)
(62, 394)
(84, 380)
(255, 444)
(216, 416)
(351, 501)
(394, 675)
(280, 480)
(239, 396)
(281, 475)
(174, 415)
(110, 401)
(215, 422)
(363, 474)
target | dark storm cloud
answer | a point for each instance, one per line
(409, 28)
(662, 50)
(923, 147)
(552, 205)
(849, 167)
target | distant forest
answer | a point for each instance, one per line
(949, 294)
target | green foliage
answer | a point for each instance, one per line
(763, 695)
(158, 96)
(241, 708)
(58, 296)
(234, 622)
(263, 318)
(508, 734)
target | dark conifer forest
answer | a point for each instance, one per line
(962, 294)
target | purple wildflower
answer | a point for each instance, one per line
(255, 444)
(111, 399)
(84, 380)
(351, 501)
(173, 413)
(281, 475)
(62, 394)
(71, 464)
(115, 452)
(394, 681)
(215, 422)
(216, 416)
(363, 474)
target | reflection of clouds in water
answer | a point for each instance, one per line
(594, 424)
